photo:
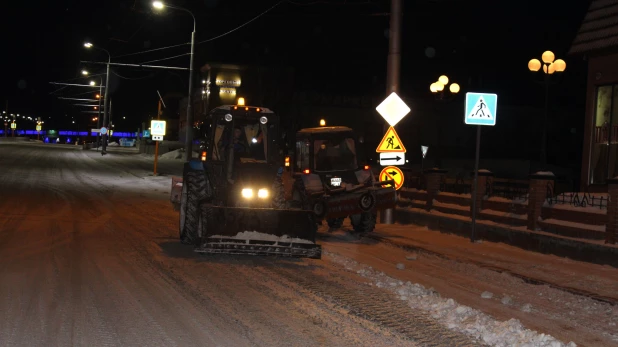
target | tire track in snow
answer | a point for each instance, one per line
(380, 307)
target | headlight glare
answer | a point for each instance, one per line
(263, 193)
(247, 193)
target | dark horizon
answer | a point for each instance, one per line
(332, 46)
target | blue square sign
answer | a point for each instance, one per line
(481, 108)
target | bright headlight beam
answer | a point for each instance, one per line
(247, 193)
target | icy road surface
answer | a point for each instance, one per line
(89, 256)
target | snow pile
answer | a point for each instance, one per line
(113, 144)
(456, 317)
(254, 235)
(544, 173)
(177, 154)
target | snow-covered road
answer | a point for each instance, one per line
(89, 256)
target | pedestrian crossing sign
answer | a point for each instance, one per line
(157, 127)
(391, 143)
(481, 108)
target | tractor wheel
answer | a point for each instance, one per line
(194, 191)
(335, 223)
(205, 220)
(364, 222)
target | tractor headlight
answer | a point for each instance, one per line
(263, 193)
(247, 193)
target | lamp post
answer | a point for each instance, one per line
(550, 66)
(105, 99)
(98, 96)
(159, 5)
(438, 89)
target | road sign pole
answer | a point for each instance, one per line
(476, 178)
(392, 72)
(157, 142)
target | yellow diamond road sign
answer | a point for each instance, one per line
(393, 109)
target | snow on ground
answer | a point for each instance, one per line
(505, 214)
(254, 235)
(574, 224)
(511, 201)
(569, 207)
(456, 317)
(544, 173)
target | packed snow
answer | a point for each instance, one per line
(544, 173)
(177, 154)
(254, 235)
(456, 317)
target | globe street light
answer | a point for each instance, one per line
(549, 65)
(159, 5)
(438, 88)
(105, 104)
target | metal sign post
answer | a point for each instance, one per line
(480, 110)
(391, 148)
(157, 128)
(156, 158)
(424, 150)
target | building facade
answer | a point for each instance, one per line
(597, 42)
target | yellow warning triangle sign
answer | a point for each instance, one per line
(391, 142)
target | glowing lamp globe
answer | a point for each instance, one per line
(534, 65)
(548, 57)
(560, 65)
(549, 69)
(454, 88)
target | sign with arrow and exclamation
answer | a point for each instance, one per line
(387, 159)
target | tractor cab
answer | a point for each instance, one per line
(334, 155)
(240, 145)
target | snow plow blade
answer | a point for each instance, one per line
(260, 231)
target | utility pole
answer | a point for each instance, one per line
(105, 105)
(99, 114)
(393, 68)
(156, 158)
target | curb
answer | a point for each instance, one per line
(528, 240)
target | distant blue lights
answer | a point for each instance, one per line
(70, 133)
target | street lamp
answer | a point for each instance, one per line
(439, 90)
(92, 83)
(105, 103)
(159, 5)
(84, 72)
(550, 66)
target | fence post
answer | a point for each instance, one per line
(484, 186)
(541, 186)
(611, 228)
(433, 178)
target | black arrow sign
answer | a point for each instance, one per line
(397, 158)
(392, 173)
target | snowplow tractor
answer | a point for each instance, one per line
(330, 173)
(229, 198)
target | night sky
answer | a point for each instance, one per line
(333, 46)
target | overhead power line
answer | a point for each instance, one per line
(242, 25)
(152, 50)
